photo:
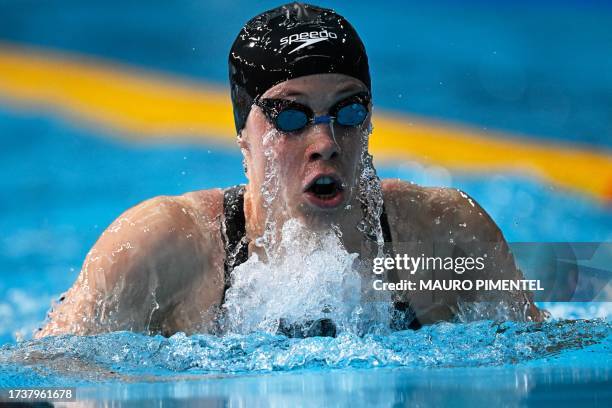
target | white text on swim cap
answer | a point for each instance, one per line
(307, 38)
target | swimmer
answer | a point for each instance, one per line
(302, 102)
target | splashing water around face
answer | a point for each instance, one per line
(307, 275)
(370, 194)
(270, 191)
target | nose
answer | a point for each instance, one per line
(322, 144)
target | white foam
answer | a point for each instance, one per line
(313, 277)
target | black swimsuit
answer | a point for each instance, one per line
(237, 252)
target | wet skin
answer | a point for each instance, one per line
(159, 266)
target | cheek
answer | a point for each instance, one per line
(290, 157)
(279, 155)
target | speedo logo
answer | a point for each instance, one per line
(307, 38)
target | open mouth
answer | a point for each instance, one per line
(325, 191)
(324, 187)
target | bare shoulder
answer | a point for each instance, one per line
(206, 204)
(164, 231)
(144, 265)
(431, 212)
(161, 218)
(200, 207)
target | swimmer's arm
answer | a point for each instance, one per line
(476, 227)
(138, 270)
(428, 214)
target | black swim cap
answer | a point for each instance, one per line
(287, 42)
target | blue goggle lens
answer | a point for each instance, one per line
(291, 120)
(351, 115)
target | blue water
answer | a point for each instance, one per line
(542, 71)
(538, 358)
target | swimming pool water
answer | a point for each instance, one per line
(508, 362)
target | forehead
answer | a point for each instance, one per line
(316, 87)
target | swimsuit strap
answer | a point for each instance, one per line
(234, 232)
(402, 310)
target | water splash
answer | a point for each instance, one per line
(332, 131)
(305, 276)
(312, 278)
(370, 194)
(270, 192)
(128, 356)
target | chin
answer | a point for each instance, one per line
(319, 217)
(329, 203)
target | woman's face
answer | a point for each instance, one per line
(310, 174)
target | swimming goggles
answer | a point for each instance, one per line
(290, 116)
